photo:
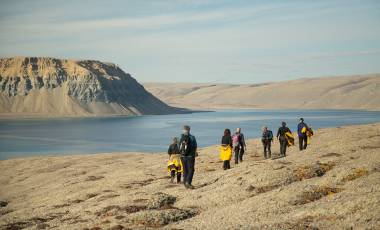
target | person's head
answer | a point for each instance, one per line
(227, 132)
(283, 124)
(265, 128)
(301, 120)
(186, 129)
(175, 140)
(238, 130)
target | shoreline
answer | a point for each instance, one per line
(4, 116)
(88, 154)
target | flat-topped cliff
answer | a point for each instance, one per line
(40, 86)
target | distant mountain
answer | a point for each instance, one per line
(39, 86)
(347, 92)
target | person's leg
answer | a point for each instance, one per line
(224, 165)
(300, 142)
(269, 151)
(179, 177)
(191, 170)
(236, 155)
(305, 140)
(285, 146)
(265, 149)
(185, 169)
(241, 153)
(172, 174)
(228, 164)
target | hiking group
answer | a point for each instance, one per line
(182, 153)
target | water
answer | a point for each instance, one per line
(29, 137)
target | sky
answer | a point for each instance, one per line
(220, 41)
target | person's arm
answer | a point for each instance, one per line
(195, 144)
(243, 140)
(170, 150)
(299, 128)
(278, 133)
(176, 149)
(271, 135)
(230, 141)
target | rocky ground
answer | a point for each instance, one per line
(334, 184)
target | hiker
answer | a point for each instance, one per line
(239, 146)
(282, 137)
(175, 163)
(188, 149)
(302, 134)
(226, 149)
(266, 139)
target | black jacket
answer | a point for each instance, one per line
(267, 136)
(282, 130)
(191, 143)
(226, 140)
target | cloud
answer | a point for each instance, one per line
(155, 22)
(202, 40)
(340, 55)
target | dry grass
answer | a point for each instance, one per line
(357, 173)
(316, 193)
(315, 170)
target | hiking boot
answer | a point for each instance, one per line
(186, 185)
(190, 186)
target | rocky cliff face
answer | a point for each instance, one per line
(56, 87)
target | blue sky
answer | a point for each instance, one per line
(200, 40)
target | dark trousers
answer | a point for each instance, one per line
(188, 169)
(179, 175)
(226, 165)
(267, 150)
(283, 146)
(238, 154)
(302, 140)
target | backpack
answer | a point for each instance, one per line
(270, 135)
(236, 139)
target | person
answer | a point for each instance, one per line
(188, 149)
(281, 136)
(175, 163)
(226, 149)
(266, 139)
(302, 130)
(239, 146)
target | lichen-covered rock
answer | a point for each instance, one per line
(158, 218)
(160, 200)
